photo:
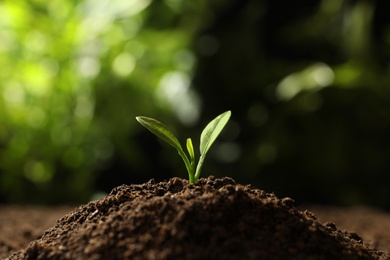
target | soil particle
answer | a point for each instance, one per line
(213, 219)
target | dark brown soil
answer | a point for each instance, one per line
(371, 224)
(214, 219)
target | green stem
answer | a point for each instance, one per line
(199, 167)
(189, 166)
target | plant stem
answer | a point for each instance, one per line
(199, 167)
(189, 166)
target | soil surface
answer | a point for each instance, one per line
(213, 219)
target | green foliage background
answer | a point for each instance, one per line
(307, 82)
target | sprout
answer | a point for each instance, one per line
(207, 138)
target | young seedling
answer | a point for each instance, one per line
(207, 138)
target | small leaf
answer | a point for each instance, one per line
(159, 129)
(212, 130)
(190, 149)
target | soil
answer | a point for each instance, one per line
(213, 219)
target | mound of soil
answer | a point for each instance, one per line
(213, 219)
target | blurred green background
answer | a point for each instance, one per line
(307, 82)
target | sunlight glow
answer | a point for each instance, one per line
(313, 78)
(99, 15)
(124, 64)
(174, 89)
(88, 67)
(14, 93)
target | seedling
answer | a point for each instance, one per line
(207, 138)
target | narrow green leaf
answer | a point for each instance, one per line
(190, 149)
(159, 129)
(208, 136)
(212, 130)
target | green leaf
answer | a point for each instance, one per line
(212, 130)
(208, 136)
(190, 149)
(159, 129)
